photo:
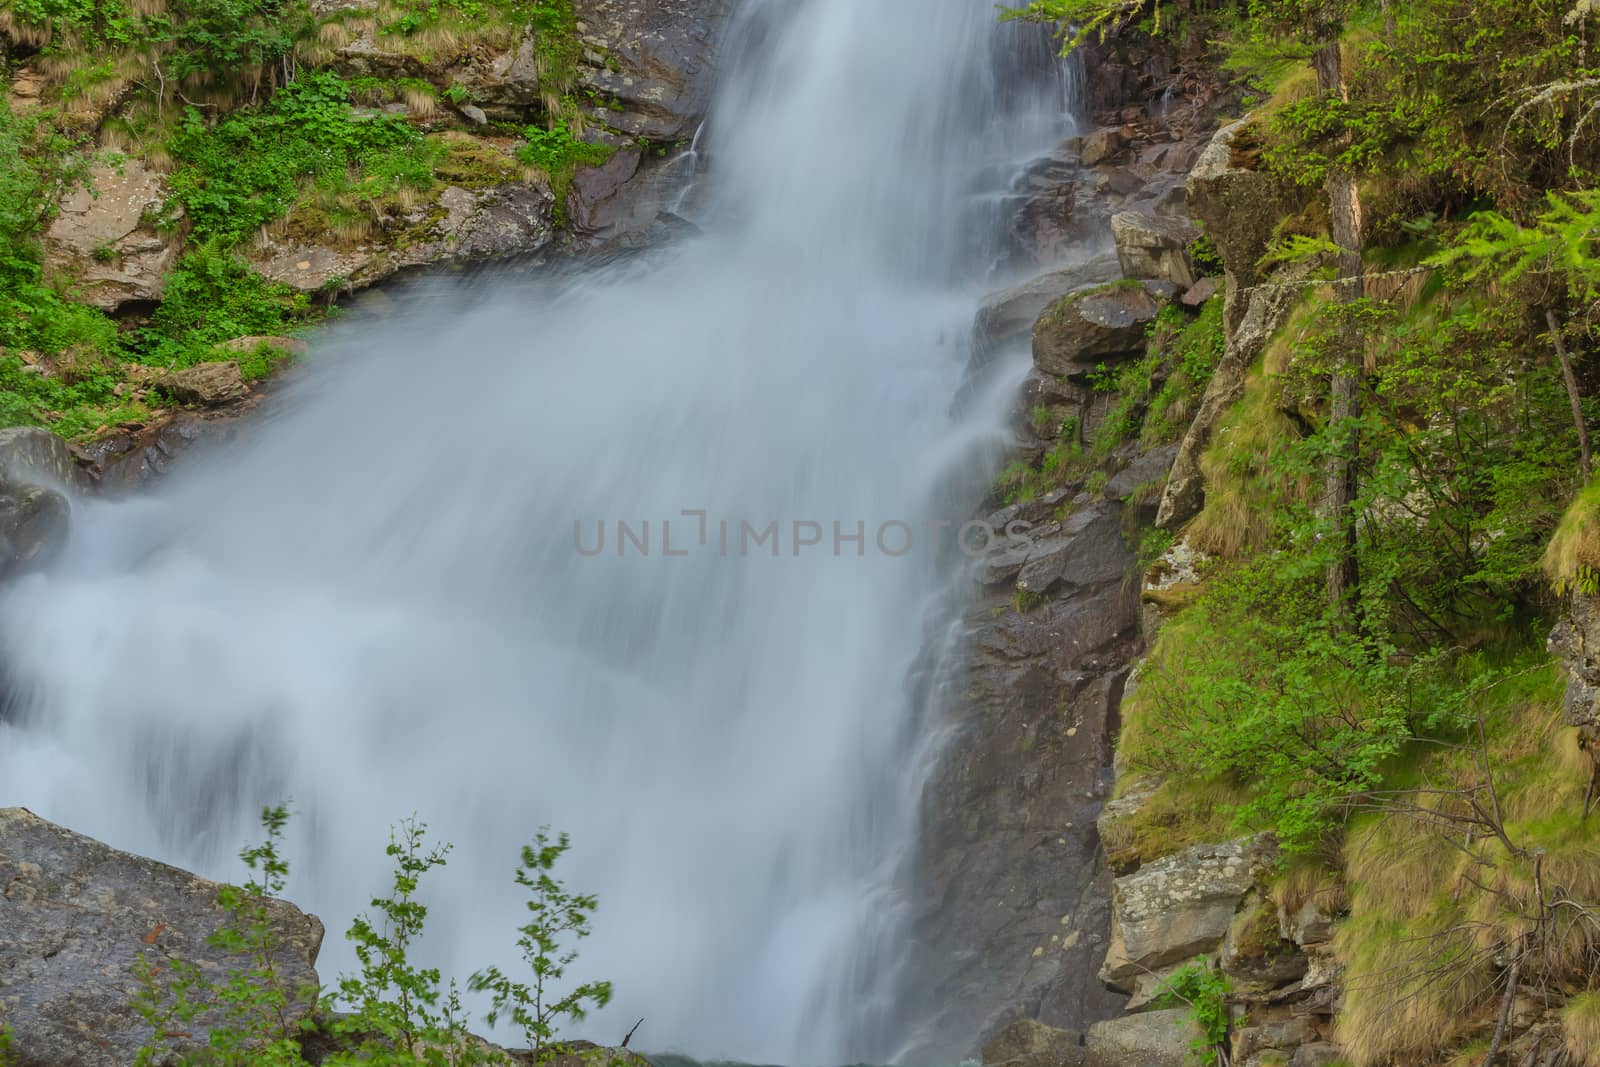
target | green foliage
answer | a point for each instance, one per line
(1204, 255)
(213, 296)
(554, 915)
(1259, 687)
(220, 37)
(1559, 241)
(252, 1001)
(250, 167)
(401, 1015)
(559, 153)
(94, 23)
(1205, 991)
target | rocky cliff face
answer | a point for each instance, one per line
(1016, 912)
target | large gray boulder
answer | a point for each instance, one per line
(1178, 907)
(205, 384)
(1082, 329)
(1152, 1039)
(1030, 1043)
(37, 474)
(1240, 207)
(104, 243)
(652, 59)
(457, 225)
(76, 916)
(1150, 246)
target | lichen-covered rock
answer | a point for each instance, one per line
(205, 384)
(1257, 956)
(1575, 642)
(1097, 146)
(75, 917)
(1116, 826)
(1030, 1043)
(1010, 313)
(1178, 907)
(1151, 1039)
(1082, 329)
(1283, 1035)
(287, 345)
(1268, 308)
(459, 224)
(31, 454)
(104, 243)
(1320, 1054)
(1152, 247)
(652, 59)
(1239, 207)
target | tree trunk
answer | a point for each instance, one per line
(1340, 475)
(1571, 378)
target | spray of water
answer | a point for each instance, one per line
(374, 603)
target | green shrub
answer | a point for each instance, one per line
(555, 915)
(213, 296)
(1205, 992)
(248, 169)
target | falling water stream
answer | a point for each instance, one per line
(375, 604)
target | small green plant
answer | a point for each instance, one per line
(253, 1000)
(555, 914)
(1203, 254)
(400, 1013)
(1205, 991)
(560, 154)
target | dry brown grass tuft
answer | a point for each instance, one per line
(1574, 549)
(420, 102)
(1580, 1025)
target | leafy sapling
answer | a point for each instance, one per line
(401, 1014)
(555, 914)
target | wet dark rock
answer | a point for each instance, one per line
(37, 474)
(34, 525)
(1010, 313)
(1140, 483)
(657, 62)
(1015, 902)
(76, 916)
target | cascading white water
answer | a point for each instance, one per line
(375, 603)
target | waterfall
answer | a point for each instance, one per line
(385, 597)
